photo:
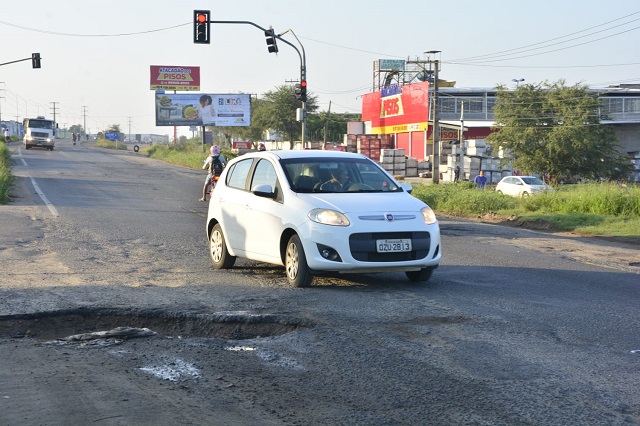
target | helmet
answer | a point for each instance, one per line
(215, 149)
(261, 147)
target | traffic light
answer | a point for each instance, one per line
(35, 60)
(201, 26)
(271, 40)
(303, 91)
(298, 91)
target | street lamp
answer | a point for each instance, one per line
(517, 81)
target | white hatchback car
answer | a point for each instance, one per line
(521, 186)
(320, 211)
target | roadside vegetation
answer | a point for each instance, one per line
(102, 143)
(189, 153)
(5, 173)
(605, 209)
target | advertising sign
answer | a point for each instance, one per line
(397, 109)
(175, 78)
(202, 109)
(391, 65)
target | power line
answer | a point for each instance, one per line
(93, 35)
(556, 38)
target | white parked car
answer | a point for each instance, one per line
(318, 211)
(521, 186)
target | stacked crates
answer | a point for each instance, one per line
(395, 162)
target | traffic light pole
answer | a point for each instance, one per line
(303, 77)
(303, 65)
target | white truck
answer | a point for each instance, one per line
(39, 132)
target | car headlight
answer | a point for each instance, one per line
(328, 217)
(428, 215)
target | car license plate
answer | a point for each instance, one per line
(393, 246)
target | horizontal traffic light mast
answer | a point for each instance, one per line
(34, 58)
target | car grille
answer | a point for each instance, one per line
(363, 246)
(40, 135)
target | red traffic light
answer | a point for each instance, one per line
(303, 83)
(201, 27)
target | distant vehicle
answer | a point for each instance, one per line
(39, 132)
(521, 186)
(320, 211)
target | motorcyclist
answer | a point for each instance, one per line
(209, 166)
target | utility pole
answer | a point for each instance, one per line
(436, 124)
(54, 111)
(84, 115)
(1, 97)
(129, 129)
(461, 139)
(326, 126)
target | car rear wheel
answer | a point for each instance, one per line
(298, 272)
(422, 275)
(220, 256)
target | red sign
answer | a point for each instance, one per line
(175, 78)
(449, 135)
(397, 109)
(242, 145)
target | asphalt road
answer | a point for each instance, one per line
(515, 327)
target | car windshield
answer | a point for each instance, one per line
(337, 175)
(532, 181)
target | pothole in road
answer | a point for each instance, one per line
(234, 325)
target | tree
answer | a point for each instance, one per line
(555, 130)
(114, 128)
(335, 125)
(76, 128)
(277, 111)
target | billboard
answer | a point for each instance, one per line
(397, 109)
(175, 78)
(203, 109)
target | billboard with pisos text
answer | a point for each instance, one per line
(397, 109)
(175, 78)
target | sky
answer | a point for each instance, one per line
(96, 56)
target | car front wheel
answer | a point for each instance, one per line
(298, 272)
(220, 256)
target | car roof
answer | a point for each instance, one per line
(306, 153)
(519, 176)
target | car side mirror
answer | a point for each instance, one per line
(407, 187)
(264, 190)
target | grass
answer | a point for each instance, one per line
(591, 209)
(5, 174)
